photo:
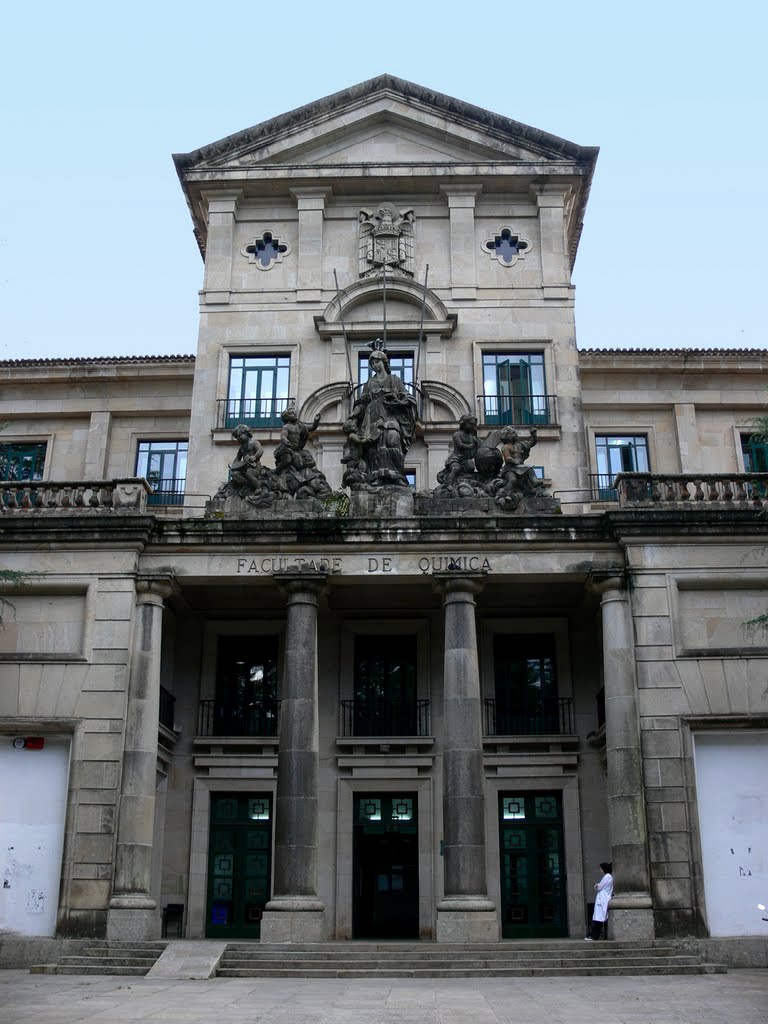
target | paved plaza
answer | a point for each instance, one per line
(740, 997)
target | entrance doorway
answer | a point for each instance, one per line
(532, 866)
(385, 867)
(239, 865)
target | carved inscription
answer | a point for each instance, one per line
(370, 565)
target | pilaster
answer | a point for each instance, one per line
(311, 206)
(461, 209)
(96, 448)
(219, 250)
(555, 261)
(687, 437)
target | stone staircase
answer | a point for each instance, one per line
(555, 958)
(103, 957)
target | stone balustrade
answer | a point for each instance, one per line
(125, 495)
(678, 490)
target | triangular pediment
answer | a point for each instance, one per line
(384, 121)
(387, 140)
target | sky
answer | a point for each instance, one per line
(97, 256)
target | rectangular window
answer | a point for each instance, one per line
(526, 700)
(618, 453)
(22, 462)
(410, 476)
(258, 390)
(400, 363)
(755, 454)
(163, 464)
(514, 388)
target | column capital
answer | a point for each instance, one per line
(610, 588)
(301, 586)
(312, 197)
(550, 194)
(461, 195)
(448, 581)
(223, 201)
(155, 589)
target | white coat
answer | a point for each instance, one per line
(603, 898)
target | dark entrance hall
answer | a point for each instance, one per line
(385, 867)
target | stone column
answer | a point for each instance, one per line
(220, 244)
(631, 908)
(461, 208)
(295, 914)
(465, 913)
(311, 204)
(133, 914)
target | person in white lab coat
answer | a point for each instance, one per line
(604, 892)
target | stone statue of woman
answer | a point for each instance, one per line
(383, 420)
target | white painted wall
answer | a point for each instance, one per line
(33, 803)
(732, 787)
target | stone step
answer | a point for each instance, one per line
(107, 957)
(108, 961)
(453, 947)
(591, 970)
(136, 972)
(98, 951)
(441, 953)
(478, 964)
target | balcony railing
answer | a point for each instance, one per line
(169, 491)
(550, 716)
(692, 490)
(517, 411)
(601, 487)
(383, 718)
(123, 495)
(257, 719)
(167, 705)
(253, 412)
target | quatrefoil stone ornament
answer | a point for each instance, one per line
(507, 247)
(266, 251)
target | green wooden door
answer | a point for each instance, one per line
(239, 864)
(532, 866)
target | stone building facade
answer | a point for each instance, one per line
(325, 679)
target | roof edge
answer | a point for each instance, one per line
(98, 360)
(384, 83)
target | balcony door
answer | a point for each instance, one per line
(385, 686)
(246, 688)
(525, 676)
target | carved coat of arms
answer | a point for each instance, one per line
(386, 240)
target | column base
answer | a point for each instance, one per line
(293, 926)
(467, 919)
(133, 925)
(630, 917)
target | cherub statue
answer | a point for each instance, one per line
(247, 476)
(295, 469)
(516, 481)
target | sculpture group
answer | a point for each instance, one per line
(379, 431)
